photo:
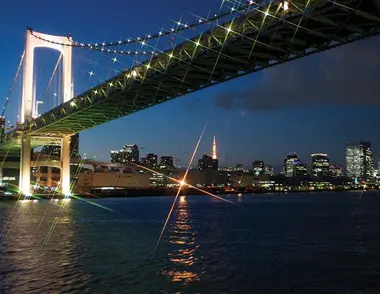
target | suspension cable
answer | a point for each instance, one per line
(13, 84)
(99, 46)
(52, 76)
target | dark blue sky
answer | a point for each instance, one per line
(307, 106)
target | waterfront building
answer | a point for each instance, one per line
(359, 161)
(205, 178)
(320, 165)
(90, 180)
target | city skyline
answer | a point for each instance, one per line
(319, 163)
(291, 108)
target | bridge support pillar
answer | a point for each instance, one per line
(65, 165)
(49, 176)
(24, 185)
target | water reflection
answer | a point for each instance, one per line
(183, 268)
(37, 248)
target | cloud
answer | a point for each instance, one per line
(345, 76)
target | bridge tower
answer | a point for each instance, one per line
(63, 44)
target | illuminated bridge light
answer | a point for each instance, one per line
(286, 6)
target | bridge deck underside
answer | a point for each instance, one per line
(252, 42)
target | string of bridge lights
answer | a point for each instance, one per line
(102, 46)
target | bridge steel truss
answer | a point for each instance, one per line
(253, 41)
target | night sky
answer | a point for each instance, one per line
(311, 105)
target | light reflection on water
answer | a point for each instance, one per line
(183, 240)
(30, 265)
(309, 243)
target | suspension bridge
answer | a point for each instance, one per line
(174, 62)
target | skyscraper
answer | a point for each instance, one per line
(290, 163)
(320, 165)
(130, 153)
(336, 171)
(359, 161)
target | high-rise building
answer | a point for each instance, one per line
(336, 171)
(290, 163)
(359, 161)
(301, 169)
(116, 156)
(130, 153)
(269, 170)
(56, 150)
(166, 162)
(151, 160)
(258, 168)
(207, 162)
(320, 165)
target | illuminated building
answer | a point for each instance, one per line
(336, 171)
(258, 168)
(166, 162)
(238, 168)
(301, 170)
(320, 165)
(130, 153)
(214, 149)
(116, 156)
(269, 170)
(89, 180)
(56, 150)
(290, 163)
(359, 162)
(207, 162)
(151, 160)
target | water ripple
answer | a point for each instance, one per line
(310, 243)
